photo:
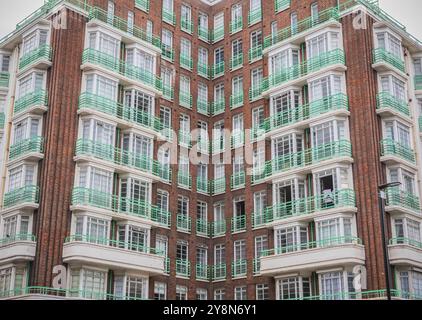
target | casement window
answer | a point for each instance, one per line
(314, 12)
(104, 43)
(394, 86)
(259, 202)
(237, 86)
(417, 63)
(258, 160)
(331, 285)
(26, 129)
(149, 29)
(293, 288)
(202, 56)
(4, 63)
(167, 77)
(201, 211)
(110, 12)
(325, 87)
(294, 22)
(140, 59)
(219, 294)
(406, 178)
(398, 132)
(202, 255)
(255, 5)
(284, 60)
(219, 172)
(6, 281)
(98, 131)
(185, 48)
(185, 85)
(219, 254)
(219, 21)
(184, 123)
(202, 172)
(407, 231)
(218, 136)
(168, 6)
(219, 92)
(219, 55)
(287, 192)
(17, 224)
(203, 21)
(274, 29)
(334, 231)
(161, 244)
(163, 200)
(238, 124)
(329, 181)
(239, 207)
(291, 239)
(160, 291)
(258, 117)
(262, 291)
(88, 283)
(328, 132)
(136, 144)
(165, 116)
(34, 40)
(130, 21)
(183, 206)
(21, 176)
(256, 77)
(130, 287)
(201, 294)
(287, 145)
(219, 212)
(96, 179)
(256, 39)
(284, 105)
(410, 284)
(94, 229)
(186, 13)
(182, 256)
(390, 43)
(322, 43)
(239, 250)
(261, 244)
(202, 92)
(167, 39)
(236, 12)
(135, 192)
(133, 238)
(238, 165)
(101, 86)
(31, 83)
(240, 293)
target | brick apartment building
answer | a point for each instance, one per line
(103, 102)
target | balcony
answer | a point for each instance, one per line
(395, 151)
(305, 208)
(202, 185)
(39, 58)
(203, 70)
(236, 100)
(337, 103)
(217, 34)
(239, 224)
(281, 5)
(259, 219)
(255, 93)
(169, 17)
(184, 180)
(390, 105)
(255, 54)
(236, 25)
(202, 272)
(239, 268)
(203, 34)
(361, 295)
(238, 139)
(182, 268)
(167, 53)
(31, 149)
(185, 139)
(203, 107)
(186, 62)
(302, 28)
(142, 5)
(238, 180)
(254, 16)
(127, 71)
(185, 99)
(218, 186)
(401, 201)
(183, 223)
(202, 228)
(405, 251)
(168, 93)
(219, 272)
(122, 158)
(27, 196)
(35, 102)
(218, 107)
(84, 199)
(383, 61)
(236, 62)
(337, 151)
(79, 249)
(186, 25)
(217, 70)
(296, 74)
(312, 256)
(4, 80)
(418, 82)
(19, 247)
(218, 228)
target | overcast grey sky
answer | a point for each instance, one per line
(406, 11)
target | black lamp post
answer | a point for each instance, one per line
(382, 197)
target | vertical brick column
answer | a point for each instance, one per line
(60, 127)
(365, 137)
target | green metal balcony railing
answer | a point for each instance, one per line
(236, 25)
(281, 5)
(217, 70)
(239, 223)
(259, 219)
(304, 112)
(186, 25)
(184, 223)
(123, 158)
(218, 186)
(203, 70)
(27, 194)
(344, 198)
(203, 106)
(44, 52)
(203, 34)
(236, 100)
(418, 82)
(219, 272)
(302, 26)
(167, 53)
(239, 268)
(217, 34)
(27, 146)
(381, 55)
(406, 241)
(186, 62)
(116, 65)
(255, 54)
(202, 272)
(202, 227)
(218, 107)
(114, 243)
(256, 265)
(218, 228)
(388, 101)
(184, 180)
(168, 93)
(120, 205)
(390, 147)
(36, 98)
(238, 139)
(182, 268)
(169, 16)
(185, 139)
(4, 79)
(254, 16)
(305, 68)
(238, 180)
(95, 102)
(142, 4)
(218, 144)
(255, 93)
(2, 120)
(185, 99)
(400, 198)
(167, 265)
(324, 243)
(15, 238)
(236, 61)
(202, 185)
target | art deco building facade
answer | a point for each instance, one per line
(105, 103)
